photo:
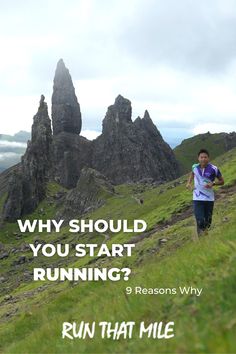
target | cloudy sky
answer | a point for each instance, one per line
(175, 58)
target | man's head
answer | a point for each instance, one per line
(203, 157)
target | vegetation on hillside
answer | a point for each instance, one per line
(168, 256)
(216, 144)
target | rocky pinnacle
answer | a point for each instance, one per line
(117, 114)
(66, 115)
(27, 185)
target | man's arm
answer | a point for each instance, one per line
(220, 182)
(189, 182)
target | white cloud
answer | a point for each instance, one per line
(173, 98)
(9, 155)
(17, 112)
(175, 59)
(6, 143)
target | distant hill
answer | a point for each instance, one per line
(12, 147)
(216, 144)
(21, 136)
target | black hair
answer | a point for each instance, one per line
(203, 151)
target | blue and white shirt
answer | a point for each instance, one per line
(201, 178)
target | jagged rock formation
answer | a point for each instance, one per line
(89, 194)
(66, 116)
(27, 185)
(129, 151)
(157, 157)
(70, 151)
(126, 151)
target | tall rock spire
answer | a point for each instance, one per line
(41, 132)
(37, 160)
(66, 115)
(27, 185)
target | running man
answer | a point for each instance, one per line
(204, 174)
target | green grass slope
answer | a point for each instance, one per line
(216, 144)
(31, 313)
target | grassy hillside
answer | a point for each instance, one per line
(32, 313)
(216, 144)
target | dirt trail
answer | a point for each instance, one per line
(183, 214)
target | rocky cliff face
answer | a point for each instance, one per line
(126, 151)
(27, 185)
(71, 152)
(89, 194)
(157, 156)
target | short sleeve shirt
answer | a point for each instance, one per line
(201, 178)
